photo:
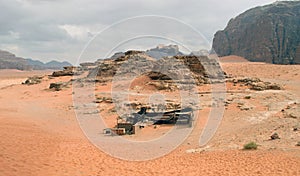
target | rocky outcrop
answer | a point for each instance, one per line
(33, 80)
(266, 34)
(68, 71)
(255, 84)
(178, 68)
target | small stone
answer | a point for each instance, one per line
(248, 97)
(296, 128)
(275, 136)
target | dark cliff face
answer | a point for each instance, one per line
(266, 34)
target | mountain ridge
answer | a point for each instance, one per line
(11, 61)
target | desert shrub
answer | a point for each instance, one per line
(250, 146)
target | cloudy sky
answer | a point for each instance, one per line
(62, 29)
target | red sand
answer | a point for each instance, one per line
(40, 136)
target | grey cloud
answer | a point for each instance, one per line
(34, 27)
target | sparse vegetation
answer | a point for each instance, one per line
(250, 146)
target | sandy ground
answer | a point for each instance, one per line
(12, 77)
(40, 134)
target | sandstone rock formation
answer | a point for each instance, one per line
(68, 71)
(255, 84)
(179, 68)
(266, 34)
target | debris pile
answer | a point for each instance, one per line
(255, 84)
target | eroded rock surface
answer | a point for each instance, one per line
(266, 34)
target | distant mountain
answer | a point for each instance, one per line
(10, 61)
(269, 33)
(54, 65)
(35, 64)
(159, 52)
(162, 51)
(57, 65)
(201, 52)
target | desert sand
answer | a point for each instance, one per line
(40, 134)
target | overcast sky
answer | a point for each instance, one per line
(60, 29)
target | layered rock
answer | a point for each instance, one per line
(67, 71)
(181, 68)
(266, 34)
(255, 84)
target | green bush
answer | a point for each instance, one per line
(250, 146)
